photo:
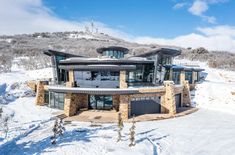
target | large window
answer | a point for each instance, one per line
(164, 60)
(56, 100)
(113, 54)
(189, 76)
(142, 74)
(100, 102)
(176, 77)
(99, 79)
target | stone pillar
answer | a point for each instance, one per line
(124, 106)
(70, 107)
(71, 78)
(182, 77)
(40, 93)
(122, 80)
(186, 94)
(168, 100)
(116, 102)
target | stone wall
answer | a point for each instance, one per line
(122, 80)
(40, 93)
(32, 85)
(124, 106)
(168, 100)
(186, 94)
(75, 102)
(116, 102)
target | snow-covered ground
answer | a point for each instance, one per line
(207, 131)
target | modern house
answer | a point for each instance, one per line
(142, 84)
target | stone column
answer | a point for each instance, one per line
(116, 102)
(122, 80)
(70, 107)
(124, 106)
(168, 100)
(40, 93)
(71, 79)
(182, 77)
(186, 94)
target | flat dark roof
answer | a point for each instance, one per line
(117, 48)
(54, 52)
(163, 51)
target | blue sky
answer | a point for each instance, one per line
(156, 18)
(184, 23)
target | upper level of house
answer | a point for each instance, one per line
(113, 69)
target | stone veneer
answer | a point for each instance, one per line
(122, 80)
(75, 102)
(40, 93)
(168, 99)
(124, 106)
(186, 94)
(116, 102)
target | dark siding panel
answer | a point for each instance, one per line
(178, 100)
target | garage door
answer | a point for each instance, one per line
(147, 106)
(178, 100)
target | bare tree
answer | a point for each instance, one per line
(120, 127)
(132, 133)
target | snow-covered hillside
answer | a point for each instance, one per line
(207, 131)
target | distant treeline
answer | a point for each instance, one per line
(215, 59)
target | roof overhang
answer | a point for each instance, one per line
(98, 67)
(79, 61)
(96, 91)
(50, 52)
(163, 51)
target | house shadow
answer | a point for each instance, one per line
(38, 147)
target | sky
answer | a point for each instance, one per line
(186, 23)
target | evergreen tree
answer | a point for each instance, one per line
(132, 133)
(120, 127)
(58, 130)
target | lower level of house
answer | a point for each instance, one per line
(130, 101)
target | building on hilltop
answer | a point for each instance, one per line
(136, 85)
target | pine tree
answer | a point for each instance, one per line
(58, 130)
(54, 130)
(132, 133)
(61, 128)
(120, 127)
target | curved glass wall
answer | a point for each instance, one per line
(114, 54)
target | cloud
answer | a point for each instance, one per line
(198, 8)
(179, 5)
(212, 38)
(30, 16)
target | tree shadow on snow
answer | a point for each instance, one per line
(40, 146)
